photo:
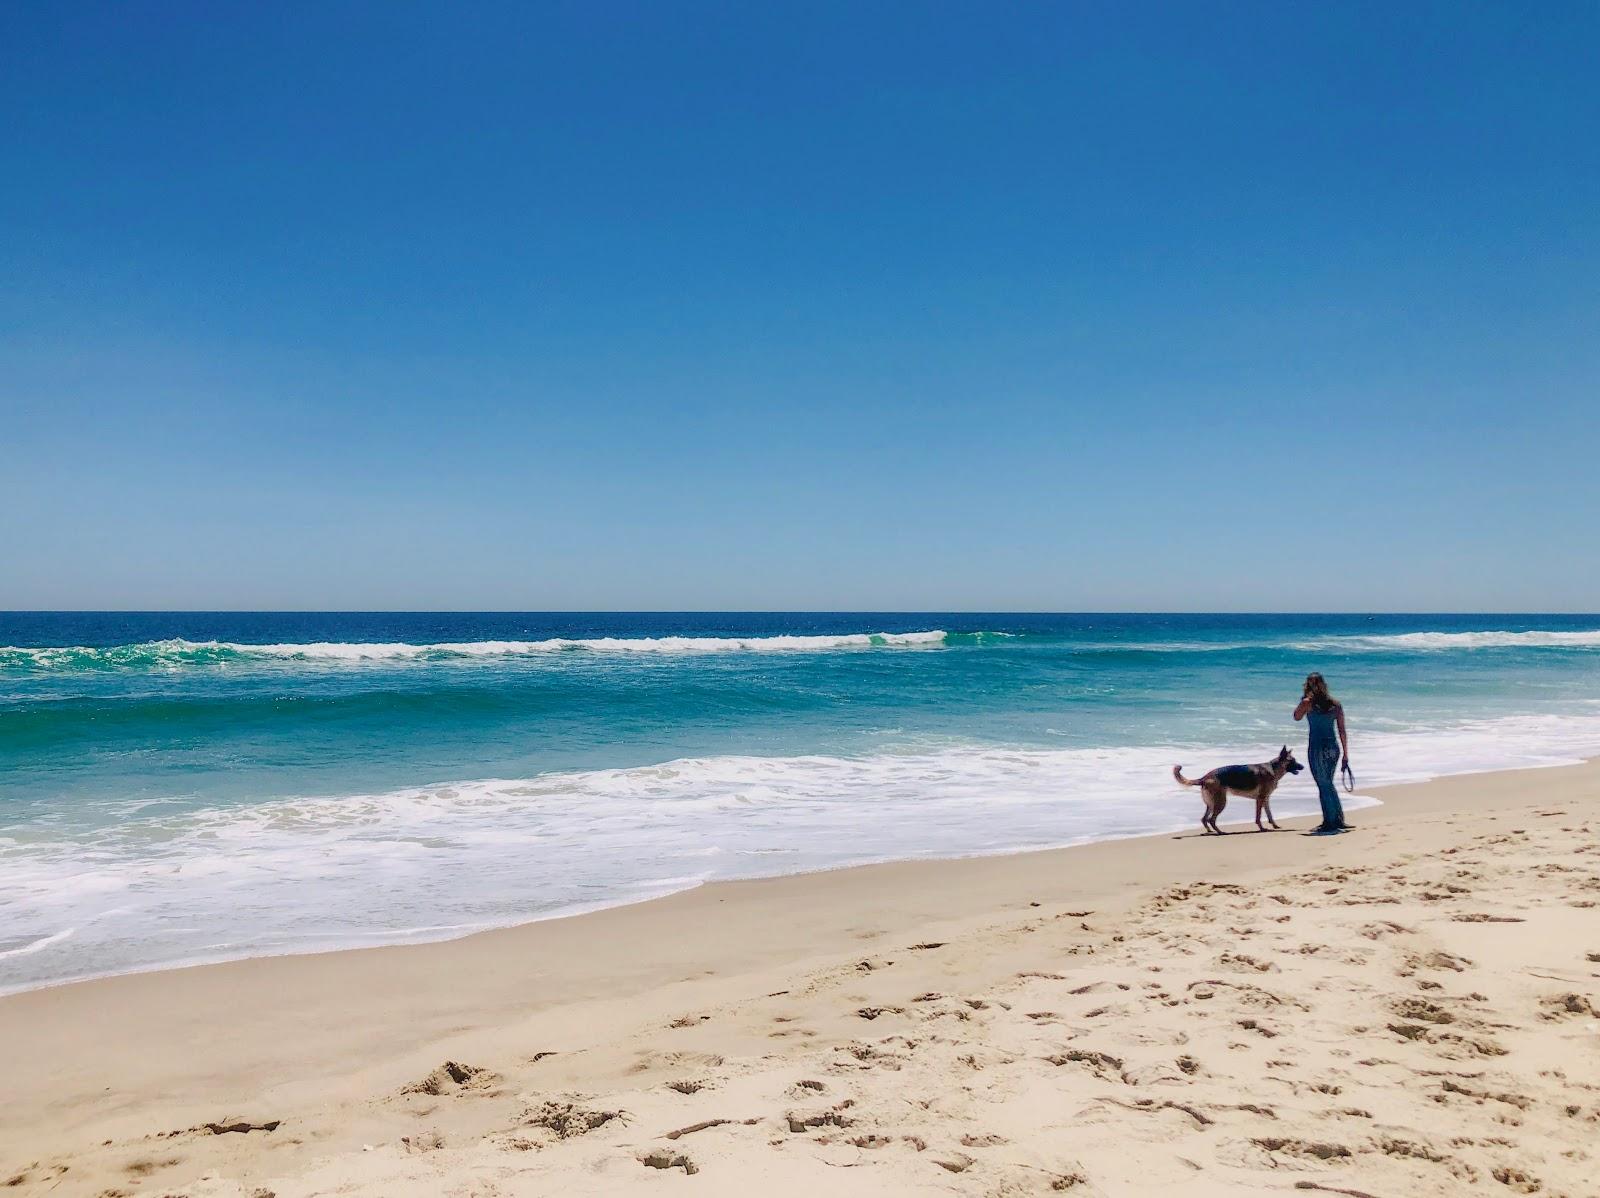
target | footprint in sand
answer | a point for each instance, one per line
(870, 1141)
(661, 1158)
(1102, 1064)
(870, 1013)
(144, 1166)
(1421, 1009)
(1566, 1006)
(453, 1077)
(801, 1122)
(983, 1141)
(566, 1120)
(36, 1172)
(1517, 1181)
(1322, 1150)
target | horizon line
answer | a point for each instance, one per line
(775, 611)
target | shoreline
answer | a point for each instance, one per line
(1368, 800)
(1363, 802)
(118, 1058)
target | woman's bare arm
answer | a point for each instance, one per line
(1344, 737)
(1300, 712)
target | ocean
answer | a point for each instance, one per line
(186, 787)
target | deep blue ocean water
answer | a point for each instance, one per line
(179, 787)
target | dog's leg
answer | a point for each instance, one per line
(1218, 803)
(1264, 804)
(1263, 808)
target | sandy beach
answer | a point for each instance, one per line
(625, 599)
(1413, 1008)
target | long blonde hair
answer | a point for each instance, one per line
(1317, 691)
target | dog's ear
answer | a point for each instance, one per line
(1283, 752)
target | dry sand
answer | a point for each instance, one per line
(1410, 1009)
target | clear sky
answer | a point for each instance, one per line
(812, 305)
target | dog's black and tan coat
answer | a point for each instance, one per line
(1247, 781)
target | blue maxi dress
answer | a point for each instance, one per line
(1323, 756)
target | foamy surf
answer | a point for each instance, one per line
(175, 653)
(1438, 642)
(432, 862)
(178, 652)
(37, 944)
(1404, 642)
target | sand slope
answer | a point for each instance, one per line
(1415, 1010)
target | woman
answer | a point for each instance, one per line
(1329, 750)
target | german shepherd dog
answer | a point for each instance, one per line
(1247, 781)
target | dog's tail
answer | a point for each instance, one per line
(1177, 772)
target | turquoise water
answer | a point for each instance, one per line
(188, 787)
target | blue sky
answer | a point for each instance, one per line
(1058, 306)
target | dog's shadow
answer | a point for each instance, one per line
(1218, 835)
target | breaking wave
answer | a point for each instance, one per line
(1398, 642)
(178, 652)
(1435, 642)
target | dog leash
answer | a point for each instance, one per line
(1347, 777)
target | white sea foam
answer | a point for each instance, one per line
(177, 651)
(168, 884)
(1399, 642)
(649, 644)
(37, 945)
(1434, 642)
